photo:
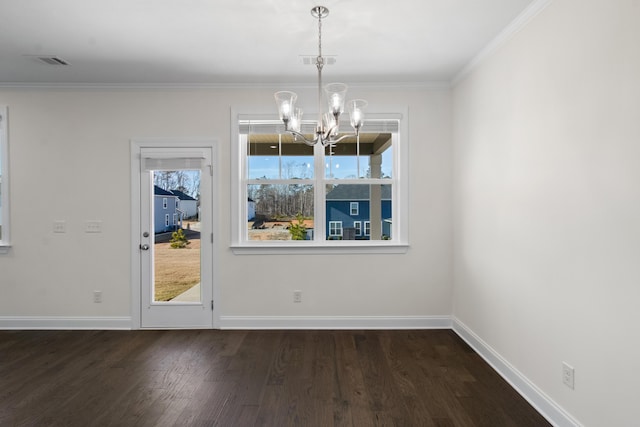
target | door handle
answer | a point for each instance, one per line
(144, 247)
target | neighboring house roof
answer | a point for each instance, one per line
(160, 192)
(182, 196)
(353, 192)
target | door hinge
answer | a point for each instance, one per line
(211, 304)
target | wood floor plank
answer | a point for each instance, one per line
(252, 378)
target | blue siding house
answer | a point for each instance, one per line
(348, 212)
(166, 211)
(188, 205)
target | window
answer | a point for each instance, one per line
(166, 220)
(165, 204)
(175, 219)
(177, 203)
(288, 194)
(367, 228)
(5, 241)
(335, 228)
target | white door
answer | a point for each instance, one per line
(175, 237)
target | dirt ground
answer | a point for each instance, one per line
(176, 270)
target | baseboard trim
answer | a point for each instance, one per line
(59, 322)
(335, 322)
(536, 397)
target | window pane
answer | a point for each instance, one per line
(280, 211)
(374, 202)
(278, 157)
(370, 158)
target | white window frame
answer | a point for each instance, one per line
(166, 220)
(358, 227)
(333, 226)
(165, 203)
(5, 239)
(175, 219)
(177, 203)
(367, 228)
(354, 208)
(321, 245)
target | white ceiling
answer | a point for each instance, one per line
(203, 42)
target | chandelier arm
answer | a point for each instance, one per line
(327, 141)
(298, 135)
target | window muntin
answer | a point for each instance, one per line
(262, 140)
(354, 208)
(335, 229)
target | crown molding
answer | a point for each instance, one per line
(213, 86)
(502, 38)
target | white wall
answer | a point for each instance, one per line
(547, 205)
(70, 161)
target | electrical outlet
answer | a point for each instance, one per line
(93, 226)
(297, 296)
(568, 375)
(59, 226)
(97, 297)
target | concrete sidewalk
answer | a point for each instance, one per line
(190, 295)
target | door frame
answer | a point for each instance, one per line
(136, 146)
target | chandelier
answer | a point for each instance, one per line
(327, 127)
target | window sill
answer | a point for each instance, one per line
(4, 249)
(271, 248)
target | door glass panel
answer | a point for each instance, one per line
(176, 247)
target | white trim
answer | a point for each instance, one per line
(5, 213)
(520, 383)
(335, 322)
(501, 39)
(427, 84)
(329, 247)
(63, 323)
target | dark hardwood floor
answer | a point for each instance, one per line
(247, 378)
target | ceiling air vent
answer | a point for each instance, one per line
(53, 60)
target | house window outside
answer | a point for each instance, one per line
(335, 228)
(4, 182)
(166, 220)
(165, 203)
(367, 228)
(177, 203)
(290, 184)
(175, 219)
